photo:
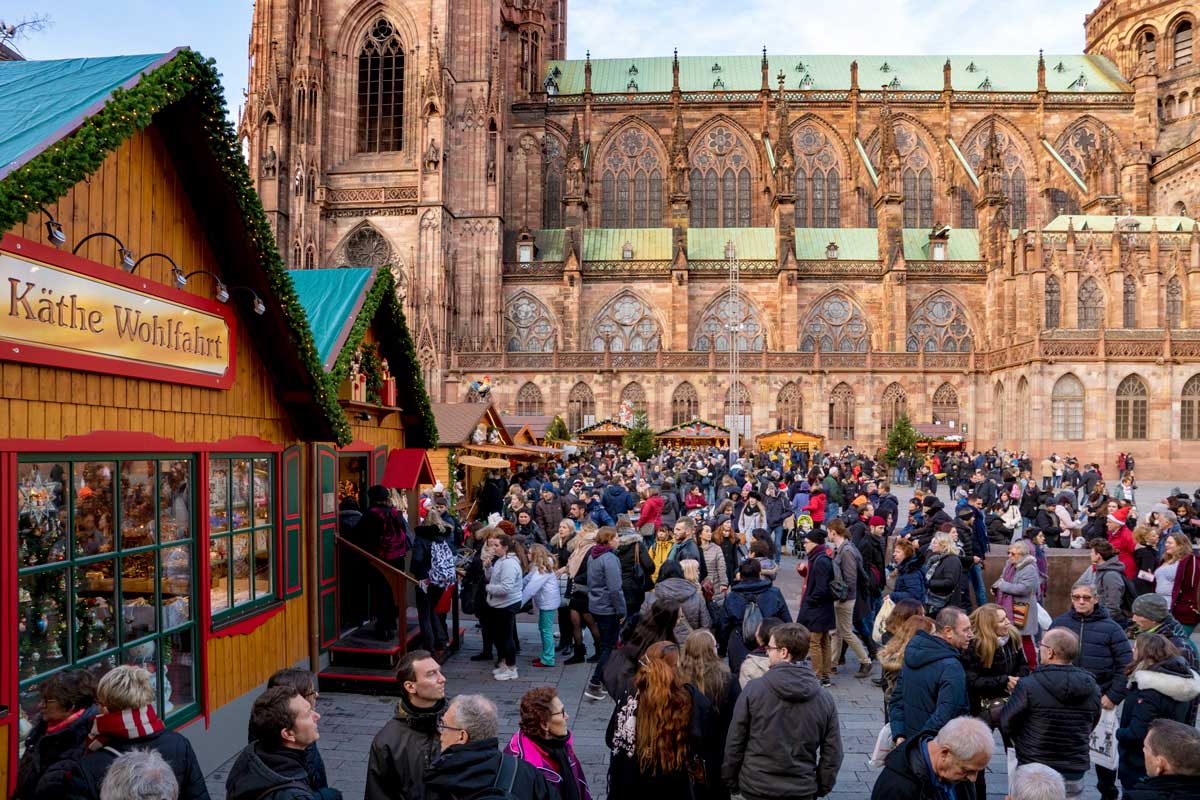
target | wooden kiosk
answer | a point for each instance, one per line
(696, 433)
(789, 439)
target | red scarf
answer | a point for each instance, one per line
(133, 723)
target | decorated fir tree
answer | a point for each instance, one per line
(640, 439)
(902, 438)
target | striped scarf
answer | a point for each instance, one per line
(132, 723)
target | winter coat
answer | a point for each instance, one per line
(402, 751)
(906, 776)
(528, 750)
(466, 770)
(1108, 578)
(850, 561)
(693, 611)
(910, 580)
(424, 538)
(755, 666)
(1169, 627)
(833, 490)
(616, 500)
(548, 514)
(714, 559)
(777, 510)
(259, 773)
(651, 513)
(931, 690)
(784, 740)
(943, 574)
(874, 562)
(682, 551)
(1019, 584)
(1164, 691)
(1122, 541)
(816, 603)
(86, 775)
(626, 778)
(816, 507)
(1104, 649)
(542, 588)
(935, 515)
(631, 550)
(1050, 716)
(988, 683)
(604, 584)
(770, 604)
(1185, 595)
(43, 750)
(1165, 787)
(504, 581)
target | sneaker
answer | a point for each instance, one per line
(537, 662)
(828, 684)
(865, 669)
(507, 674)
(595, 691)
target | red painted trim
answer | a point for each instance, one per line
(357, 446)
(27, 353)
(8, 609)
(337, 648)
(247, 625)
(343, 676)
(205, 597)
(137, 442)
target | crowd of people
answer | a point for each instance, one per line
(660, 576)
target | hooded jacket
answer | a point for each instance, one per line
(632, 550)
(616, 500)
(1050, 716)
(906, 776)
(651, 513)
(548, 513)
(770, 604)
(693, 611)
(504, 581)
(604, 583)
(466, 770)
(43, 750)
(86, 775)
(931, 689)
(816, 604)
(784, 739)
(1109, 579)
(943, 574)
(935, 515)
(910, 580)
(528, 750)
(1104, 649)
(1164, 691)
(402, 752)
(263, 774)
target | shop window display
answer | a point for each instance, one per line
(241, 502)
(105, 555)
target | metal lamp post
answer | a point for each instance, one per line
(734, 327)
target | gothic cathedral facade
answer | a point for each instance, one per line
(1002, 247)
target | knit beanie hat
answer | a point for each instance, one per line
(1151, 606)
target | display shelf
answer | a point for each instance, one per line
(376, 410)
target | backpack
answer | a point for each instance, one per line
(502, 786)
(1128, 595)
(441, 564)
(393, 539)
(751, 618)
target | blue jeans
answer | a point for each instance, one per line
(777, 534)
(975, 581)
(546, 619)
(610, 627)
(832, 511)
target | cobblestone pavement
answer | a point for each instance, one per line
(349, 722)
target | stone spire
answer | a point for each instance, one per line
(1041, 72)
(947, 86)
(785, 159)
(889, 154)
(432, 88)
(675, 73)
(766, 84)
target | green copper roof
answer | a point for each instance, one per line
(854, 244)
(708, 244)
(995, 73)
(962, 244)
(1062, 162)
(962, 161)
(548, 244)
(331, 298)
(1105, 224)
(42, 101)
(608, 244)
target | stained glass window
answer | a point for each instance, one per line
(738, 409)
(1129, 302)
(916, 165)
(817, 187)
(625, 324)
(945, 406)
(894, 406)
(1132, 397)
(1053, 302)
(581, 407)
(381, 90)
(1012, 161)
(724, 197)
(841, 413)
(527, 325)
(939, 325)
(966, 208)
(635, 396)
(1066, 408)
(685, 404)
(790, 405)
(836, 324)
(1091, 304)
(529, 400)
(555, 180)
(631, 185)
(726, 317)
(1189, 422)
(1174, 303)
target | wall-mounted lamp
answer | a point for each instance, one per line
(180, 278)
(260, 307)
(127, 257)
(54, 229)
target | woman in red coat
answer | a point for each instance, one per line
(816, 505)
(1121, 538)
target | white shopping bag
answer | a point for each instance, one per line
(883, 746)
(1103, 744)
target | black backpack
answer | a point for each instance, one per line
(502, 786)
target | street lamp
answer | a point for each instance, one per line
(735, 302)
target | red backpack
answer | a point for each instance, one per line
(393, 538)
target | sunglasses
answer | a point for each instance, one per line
(1081, 597)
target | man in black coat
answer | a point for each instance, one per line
(272, 767)
(405, 747)
(1172, 752)
(1052, 711)
(932, 687)
(816, 605)
(941, 766)
(471, 762)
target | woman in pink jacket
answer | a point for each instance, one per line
(542, 739)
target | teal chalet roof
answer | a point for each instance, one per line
(41, 102)
(986, 73)
(332, 299)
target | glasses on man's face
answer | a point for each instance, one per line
(443, 727)
(1087, 597)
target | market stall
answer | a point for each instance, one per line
(933, 437)
(603, 432)
(696, 433)
(789, 439)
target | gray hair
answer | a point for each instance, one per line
(1022, 546)
(1037, 782)
(965, 737)
(140, 775)
(476, 715)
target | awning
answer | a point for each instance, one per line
(519, 452)
(476, 461)
(407, 468)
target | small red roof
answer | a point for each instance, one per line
(407, 468)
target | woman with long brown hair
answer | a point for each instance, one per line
(995, 661)
(714, 691)
(649, 731)
(891, 655)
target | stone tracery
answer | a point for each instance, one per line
(835, 324)
(528, 325)
(939, 325)
(625, 324)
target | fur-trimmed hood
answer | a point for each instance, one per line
(629, 538)
(1171, 678)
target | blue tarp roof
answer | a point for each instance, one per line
(331, 298)
(43, 101)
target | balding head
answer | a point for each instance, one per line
(1059, 646)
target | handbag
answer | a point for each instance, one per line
(1020, 614)
(880, 626)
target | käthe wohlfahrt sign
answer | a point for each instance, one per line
(64, 311)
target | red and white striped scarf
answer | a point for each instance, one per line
(133, 723)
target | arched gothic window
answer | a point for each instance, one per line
(1129, 302)
(836, 325)
(1182, 44)
(720, 180)
(945, 406)
(1078, 143)
(974, 147)
(1174, 303)
(1180, 209)
(841, 413)
(1062, 203)
(529, 400)
(966, 208)
(310, 257)
(635, 396)
(998, 411)
(893, 407)
(916, 172)
(817, 180)
(790, 405)
(381, 90)
(1066, 408)
(626, 324)
(1021, 410)
(685, 404)
(738, 409)
(581, 407)
(939, 325)
(1189, 406)
(1131, 408)
(1091, 304)
(1053, 302)
(297, 257)
(554, 171)
(632, 187)
(366, 247)
(528, 327)
(726, 317)
(1147, 46)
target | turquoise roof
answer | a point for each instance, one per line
(708, 244)
(996, 73)
(331, 298)
(608, 244)
(43, 101)
(854, 244)
(1105, 224)
(962, 244)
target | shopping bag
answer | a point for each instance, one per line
(1010, 756)
(883, 746)
(1044, 618)
(881, 619)
(1103, 743)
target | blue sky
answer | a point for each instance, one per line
(609, 28)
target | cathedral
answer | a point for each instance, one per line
(1002, 247)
